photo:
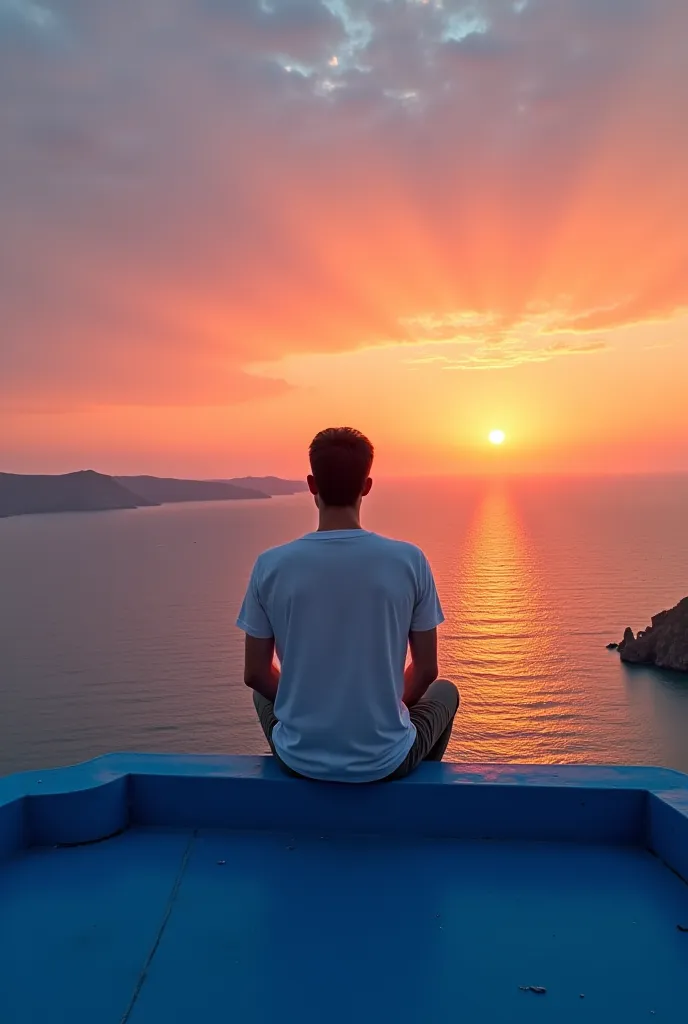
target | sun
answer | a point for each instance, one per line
(497, 437)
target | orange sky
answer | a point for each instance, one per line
(229, 223)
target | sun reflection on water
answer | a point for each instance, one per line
(501, 635)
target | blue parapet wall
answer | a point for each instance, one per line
(89, 802)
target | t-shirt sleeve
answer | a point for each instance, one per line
(253, 618)
(427, 611)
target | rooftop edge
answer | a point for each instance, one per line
(94, 800)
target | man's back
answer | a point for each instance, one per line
(340, 605)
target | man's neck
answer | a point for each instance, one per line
(338, 519)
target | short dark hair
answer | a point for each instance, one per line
(341, 458)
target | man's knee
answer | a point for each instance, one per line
(446, 692)
(261, 703)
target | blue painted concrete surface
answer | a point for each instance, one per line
(216, 889)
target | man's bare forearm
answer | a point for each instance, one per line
(266, 685)
(416, 683)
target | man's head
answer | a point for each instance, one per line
(341, 459)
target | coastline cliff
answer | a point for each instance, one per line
(664, 643)
(85, 491)
(165, 490)
(89, 491)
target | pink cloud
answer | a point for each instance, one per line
(190, 188)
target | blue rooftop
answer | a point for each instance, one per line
(149, 889)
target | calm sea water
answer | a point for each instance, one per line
(116, 629)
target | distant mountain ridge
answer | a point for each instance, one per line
(273, 485)
(84, 491)
(167, 490)
(89, 491)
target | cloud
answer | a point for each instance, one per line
(475, 342)
(26, 16)
(506, 357)
(300, 30)
(193, 187)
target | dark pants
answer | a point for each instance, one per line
(433, 717)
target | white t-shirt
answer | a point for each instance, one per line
(340, 605)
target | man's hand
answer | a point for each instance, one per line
(260, 672)
(422, 670)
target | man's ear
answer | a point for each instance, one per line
(312, 486)
(367, 487)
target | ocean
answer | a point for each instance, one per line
(116, 628)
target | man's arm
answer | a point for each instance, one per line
(260, 672)
(422, 669)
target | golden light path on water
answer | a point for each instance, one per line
(505, 636)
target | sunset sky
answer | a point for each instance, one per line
(225, 224)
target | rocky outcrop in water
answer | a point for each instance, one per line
(664, 643)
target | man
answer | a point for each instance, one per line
(341, 607)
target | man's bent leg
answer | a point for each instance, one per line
(265, 710)
(444, 693)
(433, 717)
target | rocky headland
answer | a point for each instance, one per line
(88, 491)
(664, 643)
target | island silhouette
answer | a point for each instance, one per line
(89, 491)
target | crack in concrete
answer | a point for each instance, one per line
(163, 924)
